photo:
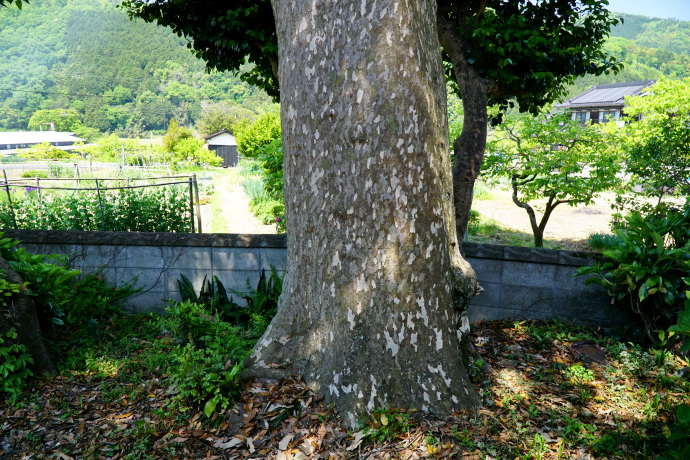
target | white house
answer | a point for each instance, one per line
(224, 145)
(10, 142)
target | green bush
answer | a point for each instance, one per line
(206, 366)
(646, 273)
(14, 365)
(252, 137)
(92, 298)
(155, 209)
(34, 173)
(271, 159)
(603, 241)
(45, 151)
(680, 436)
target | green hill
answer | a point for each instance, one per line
(119, 75)
(649, 48)
(130, 77)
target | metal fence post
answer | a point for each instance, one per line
(40, 202)
(100, 203)
(191, 202)
(9, 199)
(198, 205)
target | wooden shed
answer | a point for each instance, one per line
(224, 145)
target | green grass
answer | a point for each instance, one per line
(223, 179)
(484, 192)
(489, 231)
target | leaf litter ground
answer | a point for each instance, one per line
(549, 391)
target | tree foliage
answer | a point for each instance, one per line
(551, 157)
(218, 116)
(223, 36)
(253, 137)
(527, 52)
(657, 147)
(117, 75)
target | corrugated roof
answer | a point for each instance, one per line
(36, 137)
(612, 94)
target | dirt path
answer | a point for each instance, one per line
(234, 207)
(566, 222)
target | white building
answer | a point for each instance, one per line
(10, 142)
(224, 145)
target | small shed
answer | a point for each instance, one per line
(224, 145)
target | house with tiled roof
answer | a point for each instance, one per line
(602, 103)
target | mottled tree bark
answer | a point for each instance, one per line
(20, 314)
(374, 301)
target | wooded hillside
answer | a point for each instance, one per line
(119, 75)
(649, 47)
(131, 77)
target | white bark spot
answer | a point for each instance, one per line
(371, 404)
(439, 340)
(351, 318)
(413, 340)
(336, 260)
(360, 94)
(390, 344)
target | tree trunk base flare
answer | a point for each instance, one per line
(20, 314)
(373, 310)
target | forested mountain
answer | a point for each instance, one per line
(123, 76)
(119, 75)
(649, 47)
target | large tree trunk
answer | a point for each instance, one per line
(374, 301)
(469, 147)
(20, 314)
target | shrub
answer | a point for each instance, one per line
(271, 159)
(603, 241)
(45, 151)
(92, 298)
(174, 135)
(646, 272)
(191, 149)
(252, 137)
(157, 209)
(14, 365)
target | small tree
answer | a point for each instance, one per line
(554, 158)
(252, 137)
(175, 134)
(656, 142)
(216, 117)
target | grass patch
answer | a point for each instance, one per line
(223, 180)
(485, 230)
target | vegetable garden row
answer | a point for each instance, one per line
(162, 204)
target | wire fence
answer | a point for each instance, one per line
(101, 186)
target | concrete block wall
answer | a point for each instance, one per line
(156, 260)
(530, 283)
(519, 283)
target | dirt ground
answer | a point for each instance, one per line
(566, 222)
(236, 211)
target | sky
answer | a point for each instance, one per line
(678, 9)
